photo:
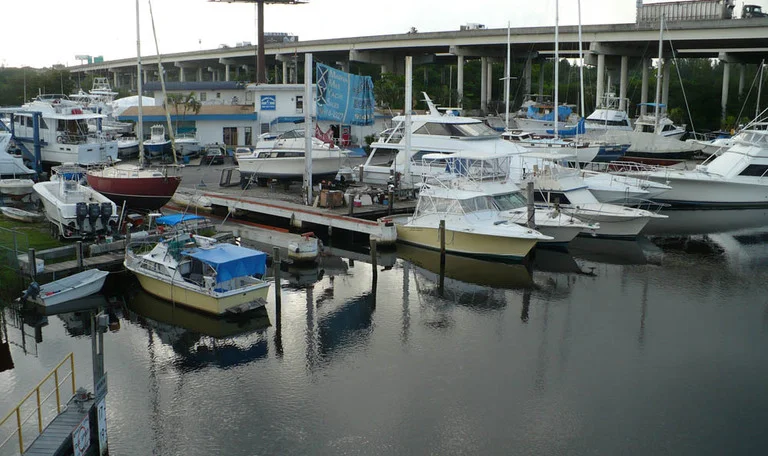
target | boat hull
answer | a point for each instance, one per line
(139, 193)
(711, 192)
(467, 244)
(611, 225)
(203, 302)
(288, 168)
(93, 285)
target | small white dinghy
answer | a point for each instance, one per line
(21, 215)
(16, 187)
(76, 286)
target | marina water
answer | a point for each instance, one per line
(655, 346)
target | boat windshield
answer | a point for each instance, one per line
(752, 137)
(439, 205)
(509, 201)
(467, 130)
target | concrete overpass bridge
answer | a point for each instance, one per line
(612, 48)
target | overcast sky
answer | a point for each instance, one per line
(41, 33)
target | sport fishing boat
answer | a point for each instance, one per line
(201, 273)
(282, 158)
(76, 211)
(738, 177)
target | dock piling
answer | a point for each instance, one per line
(278, 298)
(531, 210)
(374, 264)
(79, 255)
(442, 255)
(32, 264)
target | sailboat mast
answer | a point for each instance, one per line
(759, 88)
(140, 133)
(506, 82)
(162, 85)
(658, 76)
(557, 65)
(581, 66)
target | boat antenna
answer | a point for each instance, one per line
(557, 66)
(139, 89)
(581, 67)
(506, 81)
(162, 84)
(658, 76)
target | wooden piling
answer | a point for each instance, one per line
(391, 205)
(442, 254)
(278, 290)
(32, 264)
(531, 208)
(79, 255)
(374, 264)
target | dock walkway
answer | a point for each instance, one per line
(56, 436)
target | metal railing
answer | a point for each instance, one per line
(17, 412)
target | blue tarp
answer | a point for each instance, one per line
(578, 129)
(562, 111)
(231, 261)
(175, 219)
(343, 97)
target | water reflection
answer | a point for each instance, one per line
(706, 221)
(348, 324)
(199, 339)
(616, 251)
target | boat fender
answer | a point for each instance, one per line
(32, 291)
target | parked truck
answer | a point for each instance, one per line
(748, 11)
(692, 10)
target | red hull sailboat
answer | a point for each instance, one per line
(136, 187)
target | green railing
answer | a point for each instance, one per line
(40, 401)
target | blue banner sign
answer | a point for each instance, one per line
(268, 102)
(343, 97)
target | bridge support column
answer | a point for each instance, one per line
(489, 84)
(285, 72)
(133, 81)
(226, 72)
(600, 78)
(182, 77)
(726, 83)
(665, 86)
(483, 84)
(200, 74)
(460, 81)
(115, 80)
(528, 74)
(623, 82)
(345, 66)
(742, 74)
(644, 87)
(145, 75)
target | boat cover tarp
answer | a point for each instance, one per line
(231, 261)
(175, 219)
(578, 129)
(535, 113)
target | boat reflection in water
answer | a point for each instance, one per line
(348, 324)
(616, 251)
(470, 282)
(707, 221)
(202, 340)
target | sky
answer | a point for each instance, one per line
(50, 32)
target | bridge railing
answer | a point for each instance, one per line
(24, 414)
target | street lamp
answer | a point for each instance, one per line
(261, 70)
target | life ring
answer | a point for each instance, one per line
(60, 139)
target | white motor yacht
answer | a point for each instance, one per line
(282, 158)
(738, 177)
(63, 131)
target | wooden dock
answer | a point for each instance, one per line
(57, 436)
(383, 232)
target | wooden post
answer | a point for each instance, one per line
(391, 197)
(79, 255)
(442, 255)
(278, 298)
(32, 264)
(362, 173)
(531, 209)
(374, 264)
(351, 205)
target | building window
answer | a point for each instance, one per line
(230, 136)
(249, 97)
(248, 131)
(218, 94)
(264, 128)
(300, 104)
(203, 96)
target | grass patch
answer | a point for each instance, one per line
(35, 235)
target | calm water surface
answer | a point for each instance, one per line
(652, 347)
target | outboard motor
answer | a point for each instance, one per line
(106, 213)
(81, 212)
(93, 214)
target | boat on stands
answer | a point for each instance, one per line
(137, 186)
(21, 215)
(11, 165)
(157, 145)
(473, 224)
(100, 100)
(63, 131)
(76, 211)
(537, 115)
(127, 147)
(70, 288)
(200, 273)
(282, 158)
(738, 177)
(187, 144)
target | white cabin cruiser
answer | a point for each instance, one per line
(76, 211)
(738, 177)
(282, 158)
(12, 166)
(63, 131)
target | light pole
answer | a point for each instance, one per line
(261, 66)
